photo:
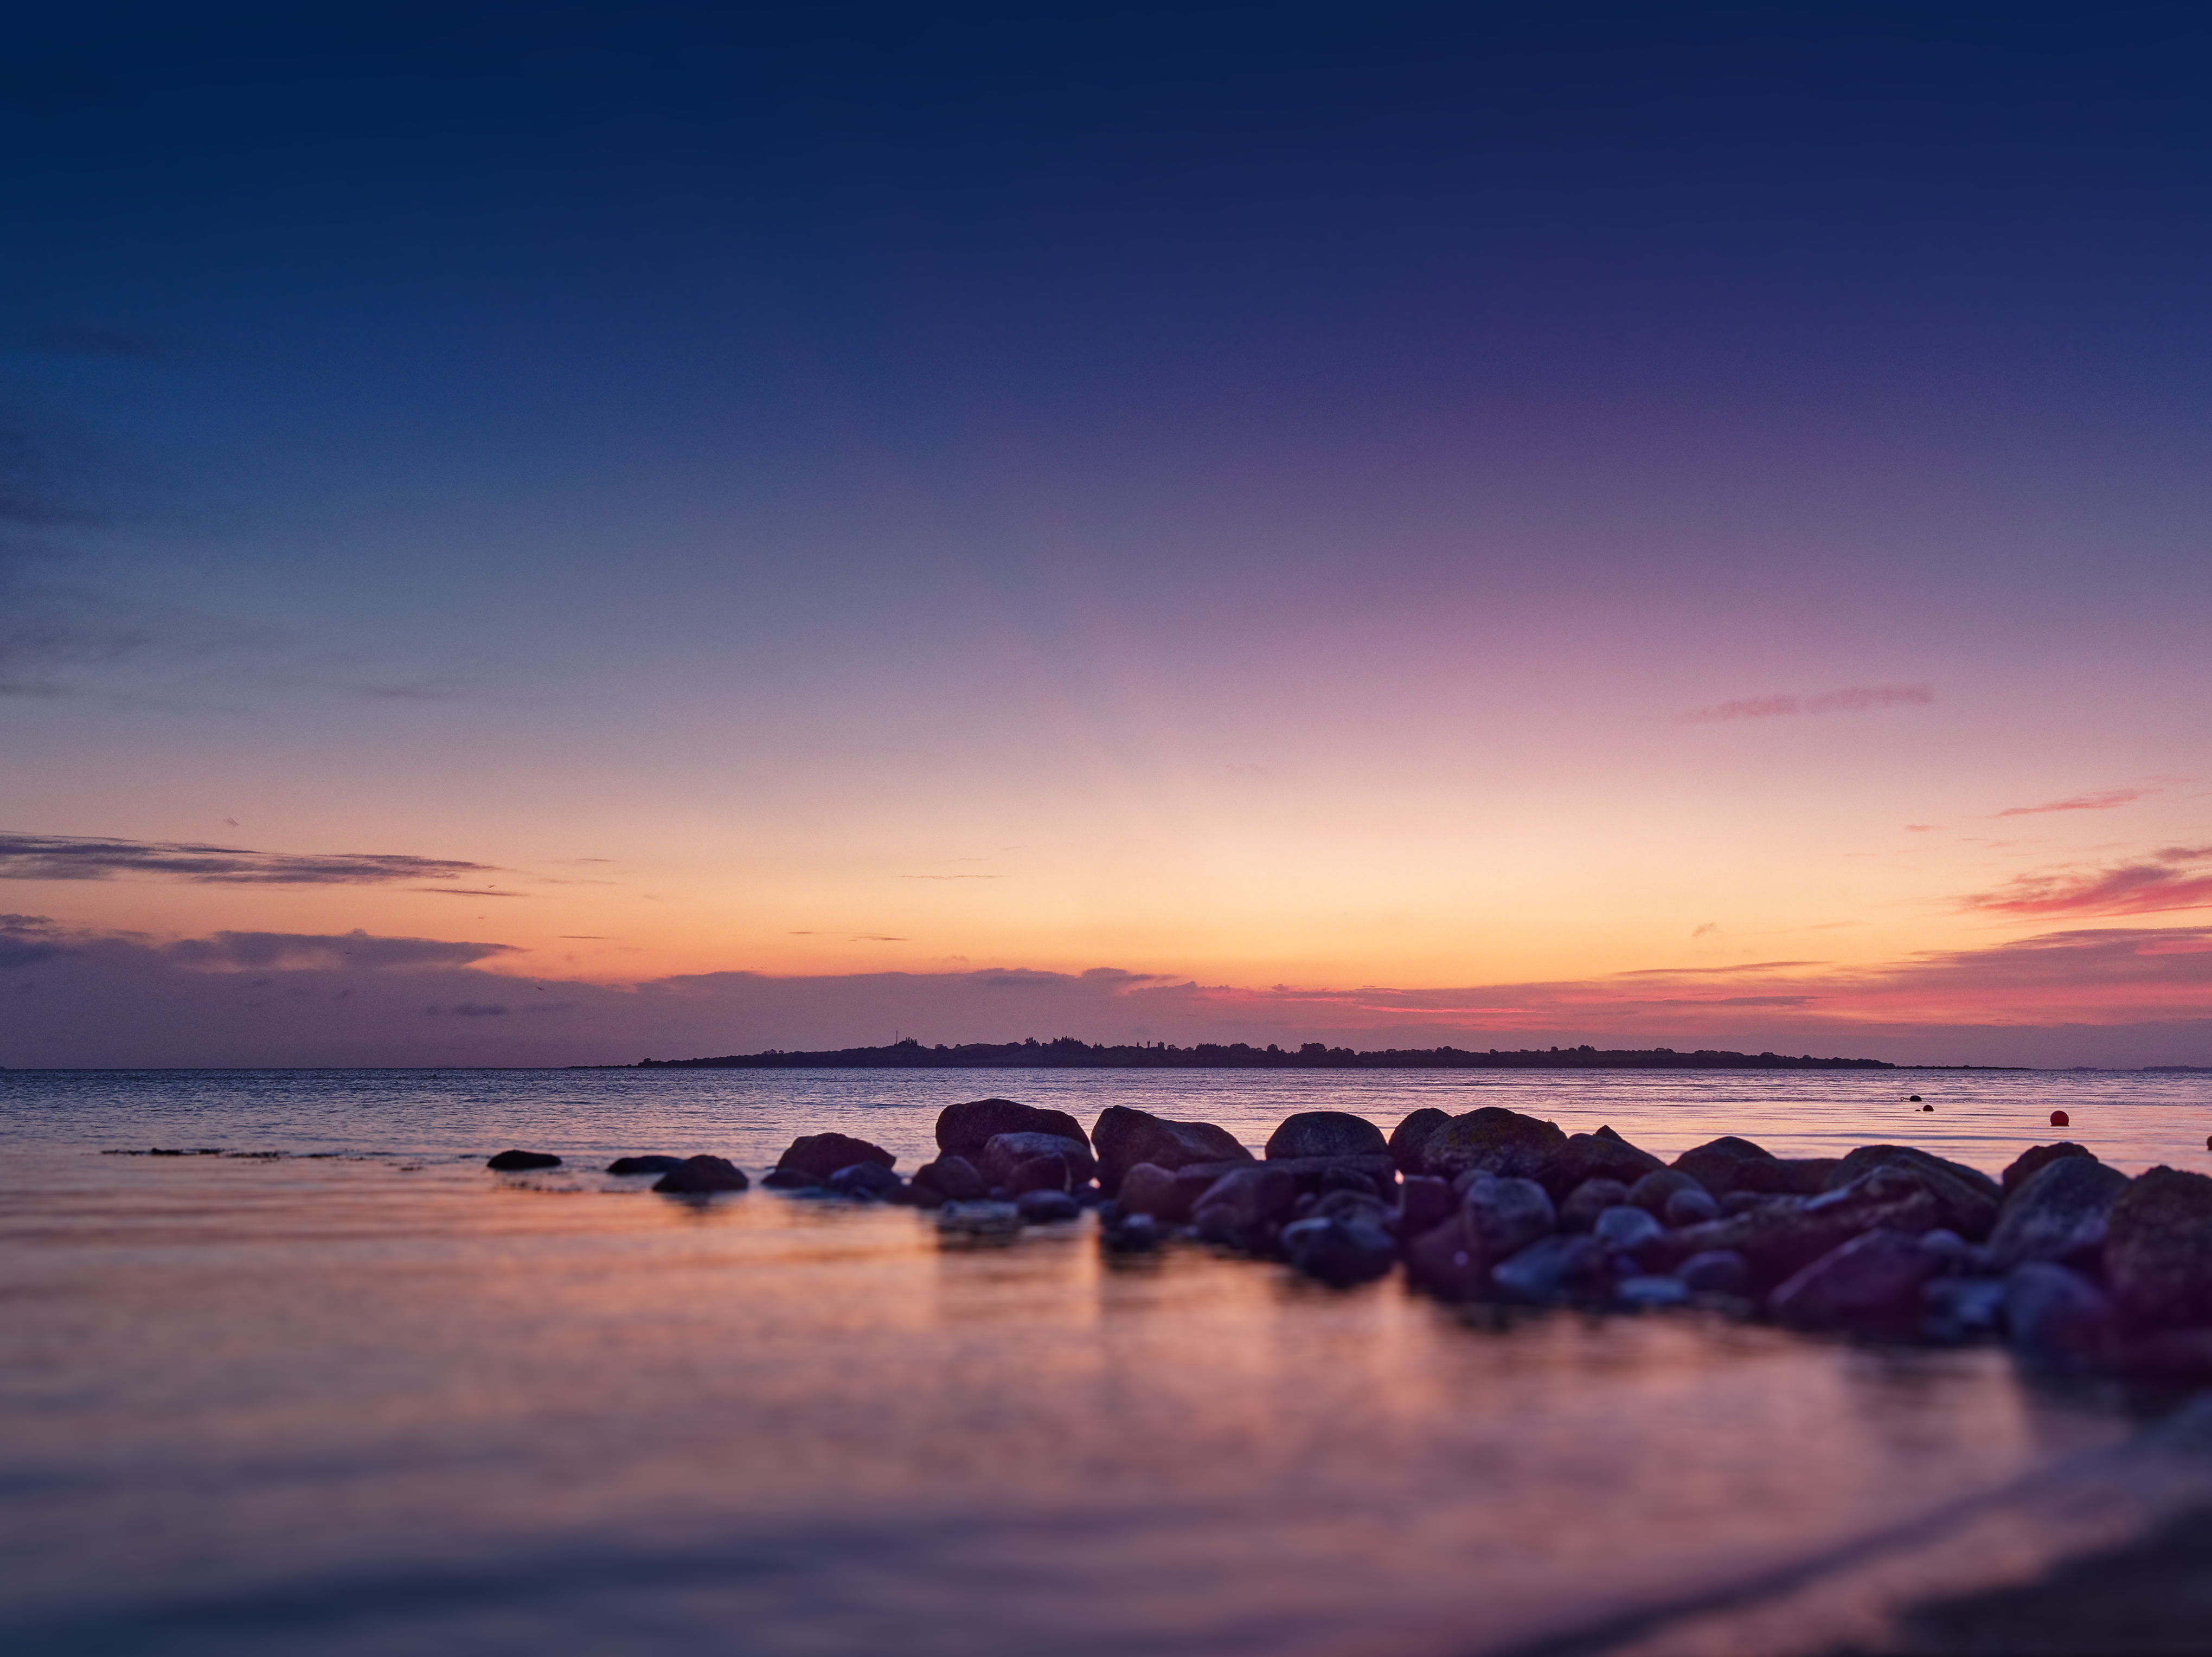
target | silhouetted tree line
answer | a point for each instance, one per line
(1068, 1053)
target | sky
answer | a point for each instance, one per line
(554, 534)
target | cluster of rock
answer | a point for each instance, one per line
(2079, 1265)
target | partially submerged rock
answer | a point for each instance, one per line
(819, 1155)
(1245, 1208)
(1340, 1248)
(964, 1130)
(1005, 1153)
(1411, 1135)
(1123, 1137)
(644, 1164)
(1326, 1133)
(1047, 1207)
(699, 1176)
(950, 1179)
(1871, 1283)
(1715, 1163)
(863, 1181)
(521, 1161)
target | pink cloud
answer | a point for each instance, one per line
(2176, 877)
(2110, 799)
(1856, 699)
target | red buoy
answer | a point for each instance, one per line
(2059, 1118)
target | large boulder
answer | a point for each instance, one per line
(2057, 1317)
(1505, 1216)
(1004, 1152)
(1326, 1133)
(1494, 1140)
(964, 1130)
(1169, 1194)
(1339, 1249)
(521, 1161)
(1870, 1284)
(817, 1155)
(951, 1179)
(2057, 1213)
(1651, 1193)
(696, 1176)
(1424, 1203)
(1244, 1208)
(1377, 1175)
(1714, 1164)
(1124, 1136)
(644, 1164)
(1603, 1155)
(1408, 1138)
(2032, 1161)
(1968, 1197)
(2157, 1248)
(864, 1182)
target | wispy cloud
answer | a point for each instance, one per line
(296, 951)
(2175, 877)
(71, 856)
(1855, 699)
(2110, 799)
(951, 877)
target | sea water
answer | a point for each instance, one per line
(338, 1388)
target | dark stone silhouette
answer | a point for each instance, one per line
(817, 1155)
(951, 1179)
(518, 1161)
(1123, 1137)
(2057, 1317)
(2157, 1248)
(964, 1130)
(1588, 1200)
(1785, 1176)
(1651, 1193)
(1067, 1052)
(1245, 1208)
(1603, 1155)
(1871, 1283)
(2059, 1213)
(2034, 1159)
(1047, 1207)
(866, 1181)
(1003, 1153)
(1326, 1133)
(699, 1175)
(1408, 1138)
(1494, 1140)
(643, 1164)
(1715, 1163)
(1967, 1197)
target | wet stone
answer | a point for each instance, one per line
(1693, 1205)
(699, 1176)
(2060, 1212)
(1047, 1207)
(1651, 1193)
(1326, 1133)
(819, 1155)
(507, 1161)
(1715, 1272)
(1624, 1230)
(1588, 1200)
(643, 1164)
(1651, 1291)
(867, 1181)
(964, 1130)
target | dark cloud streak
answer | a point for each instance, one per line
(69, 857)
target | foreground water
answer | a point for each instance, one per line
(364, 1396)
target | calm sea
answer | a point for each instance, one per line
(340, 1390)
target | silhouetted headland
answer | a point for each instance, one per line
(1068, 1053)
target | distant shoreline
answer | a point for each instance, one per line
(1068, 1053)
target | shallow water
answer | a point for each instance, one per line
(366, 1397)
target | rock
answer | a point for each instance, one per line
(1715, 1272)
(789, 1179)
(1646, 1292)
(1347, 1205)
(1969, 1197)
(1036, 1174)
(1742, 1201)
(1956, 1253)
(1588, 1200)
(1375, 1175)
(2165, 1357)
(1449, 1261)
(1714, 1164)
(697, 1175)
(1650, 1193)
(2057, 1213)
(1123, 1137)
(1870, 1284)
(1495, 1141)
(1244, 1208)
(2056, 1316)
(964, 1130)
(518, 1161)
(2158, 1248)
(1961, 1308)
(1555, 1268)
(1424, 1203)
(952, 1179)
(644, 1164)
(1047, 1207)
(1408, 1138)
(1131, 1234)
(1785, 1235)
(1504, 1216)
(1168, 1195)
(1326, 1133)
(1339, 1250)
(1784, 1176)
(1693, 1205)
(1003, 1152)
(1603, 1155)
(820, 1155)
(866, 1181)
(979, 1219)
(1626, 1230)
(2036, 1158)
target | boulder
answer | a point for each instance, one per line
(2057, 1317)
(1715, 1272)
(1961, 1308)
(1603, 1155)
(1003, 1152)
(2057, 1213)
(1049, 1173)
(951, 1179)
(1169, 1194)
(2036, 1158)
(1341, 1250)
(864, 1181)
(1326, 1133)
(790, 1179)
(1131, 1234)
(979, 1219)
(2158, 1248)
(1969, 1198)
(1626, 1229)
(1424, 1203)
(1871, 1283)
(1588, 1200)
(1560, 1267)
(1650, 1193)
(1505, 1216)
(1714, 1164)
(1692, 1205)
(965, 1130)
(644, 1164)
(1408, 1138)
(1449, 1261)
(1346, 1205)
(1047, 1207)
(1244, 1208)
(697, 1175)
(1785, 1235)
(520, 1162)
(1495, 1141)
(1123, 1137)
(819, 1155)
(1784, 1176)
(1375, 1175)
